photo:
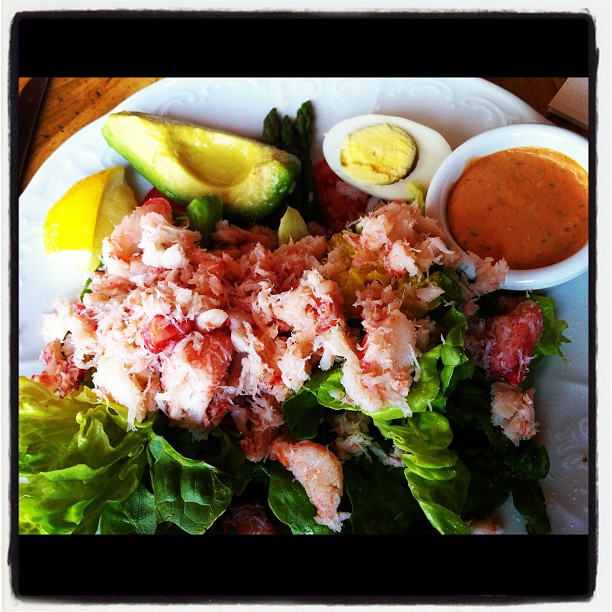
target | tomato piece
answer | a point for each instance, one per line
(156, 193)
(340, 202)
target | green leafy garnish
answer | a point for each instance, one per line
(437, 478)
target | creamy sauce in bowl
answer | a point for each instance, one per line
(528, 205)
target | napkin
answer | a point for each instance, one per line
(572, 102)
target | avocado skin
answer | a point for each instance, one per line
(159, 148)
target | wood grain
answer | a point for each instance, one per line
(72, 103)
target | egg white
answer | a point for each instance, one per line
(431, 145)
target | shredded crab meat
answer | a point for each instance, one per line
(191, 376)
(284, 309)
(60, 372)
(234, 330)
(513, 410)
(399, 239)
(503, 345)
(488, 275)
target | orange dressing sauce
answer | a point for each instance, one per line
(528, 205)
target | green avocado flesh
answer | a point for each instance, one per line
(186, 161)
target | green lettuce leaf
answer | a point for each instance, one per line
(305, 409)
(380, 500)
(303, 414)
(134, 516)
(437, 499)
(442, 367)
(528, 499)
(189, 493)
(447, 279)
(485, 493)
(498, 467)
(224, 452)
(220, 449)
(438, 480)
(552, 336)
(75, 456)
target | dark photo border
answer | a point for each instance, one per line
(318, 569)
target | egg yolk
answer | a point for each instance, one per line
(378, 154)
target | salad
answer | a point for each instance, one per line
(328, 369)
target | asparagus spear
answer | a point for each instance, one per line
(296, 138)
(272, 129)
(305, 126)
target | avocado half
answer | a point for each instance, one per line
(186, 161)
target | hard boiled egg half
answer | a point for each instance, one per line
(383, 154)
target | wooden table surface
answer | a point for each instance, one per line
(71, 103)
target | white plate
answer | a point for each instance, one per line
(457, 108)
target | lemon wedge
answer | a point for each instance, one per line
(87, 213)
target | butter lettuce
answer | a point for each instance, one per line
(76, 455)
(381, 503)
(82, 469)
(442, 367)
(552, 336)
(189, 493)
(498, 468)
(437, 478)
(134, 516)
